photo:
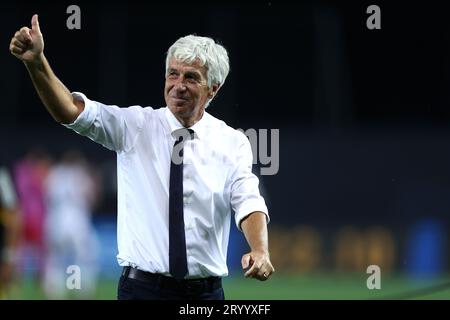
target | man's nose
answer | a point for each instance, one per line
(180, 85)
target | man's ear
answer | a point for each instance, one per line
(213, 91)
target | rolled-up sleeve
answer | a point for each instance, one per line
(245, 195)
(113, 127)
(86, 118)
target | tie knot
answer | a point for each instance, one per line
(183, 134)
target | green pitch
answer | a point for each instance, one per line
(289, 287)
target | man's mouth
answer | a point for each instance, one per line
(179, 99)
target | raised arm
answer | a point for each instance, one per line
(28, 46)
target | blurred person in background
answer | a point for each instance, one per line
(30, 173)
(72, 190)
(9, 231)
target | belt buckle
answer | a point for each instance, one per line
(195, 286)
(126, 271)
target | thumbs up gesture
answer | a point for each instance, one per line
(28, 44)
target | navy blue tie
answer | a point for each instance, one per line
(177, 240)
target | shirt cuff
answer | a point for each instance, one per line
(87, 117)
(248, 207)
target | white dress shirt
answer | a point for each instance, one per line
(217, 178)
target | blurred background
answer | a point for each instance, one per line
(364, 149)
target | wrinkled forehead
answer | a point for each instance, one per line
(184, 66)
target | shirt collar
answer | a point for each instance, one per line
(199, 127)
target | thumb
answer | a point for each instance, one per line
(35, 24)
(245, 261)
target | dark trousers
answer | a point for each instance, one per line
(140, 285)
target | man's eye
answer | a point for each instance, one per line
(191, 79)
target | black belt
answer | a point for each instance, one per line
(164, 282)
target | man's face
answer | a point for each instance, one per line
(186, 90)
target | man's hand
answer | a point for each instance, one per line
(257, 260)
(260, 266)
(28, 44)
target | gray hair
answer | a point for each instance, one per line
(210, 54)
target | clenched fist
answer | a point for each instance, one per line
(28, 44)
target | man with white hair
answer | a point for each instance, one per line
(181, 172)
